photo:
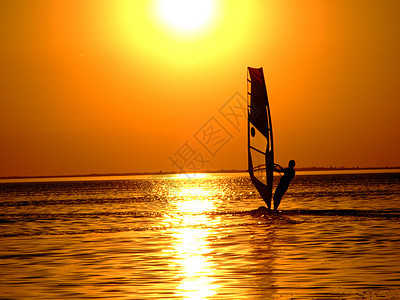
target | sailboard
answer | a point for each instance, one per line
(260, 138)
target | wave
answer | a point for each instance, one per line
(380, 214)
(262, 211)
(19, 224)
(100, 201)
(126, 229)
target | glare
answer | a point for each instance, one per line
(159, 33)
(191, 254)
(195, 206)
(194, 192)
(194, 200)
(196, 270)
(186, 15)
(191, 175)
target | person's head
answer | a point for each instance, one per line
(292, 163)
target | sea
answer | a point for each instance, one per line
(199, 236)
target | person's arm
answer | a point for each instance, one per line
(278, 168)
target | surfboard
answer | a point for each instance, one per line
(260, 137)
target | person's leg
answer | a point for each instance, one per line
(279, 192)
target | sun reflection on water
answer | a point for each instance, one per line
(194, 200)
(191, 253)
(190, 175)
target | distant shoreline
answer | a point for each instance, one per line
(205, 171)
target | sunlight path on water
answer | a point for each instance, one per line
(190, 252)
(190, 255)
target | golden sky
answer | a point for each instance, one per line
(98, 86)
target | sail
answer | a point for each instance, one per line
(260, 140)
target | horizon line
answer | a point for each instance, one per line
(180, 172)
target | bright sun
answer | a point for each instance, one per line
(186, 16)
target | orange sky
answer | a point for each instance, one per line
(96, 86)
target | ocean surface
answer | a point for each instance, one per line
(337, 236)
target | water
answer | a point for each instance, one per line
(155, 237)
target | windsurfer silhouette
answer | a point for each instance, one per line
(288, 175)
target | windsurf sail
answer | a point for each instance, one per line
(260, 139)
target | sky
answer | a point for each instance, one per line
(96, 86)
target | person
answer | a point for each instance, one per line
(288, 175)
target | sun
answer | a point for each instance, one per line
(186, 16)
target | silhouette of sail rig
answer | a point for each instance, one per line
(260, 139)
